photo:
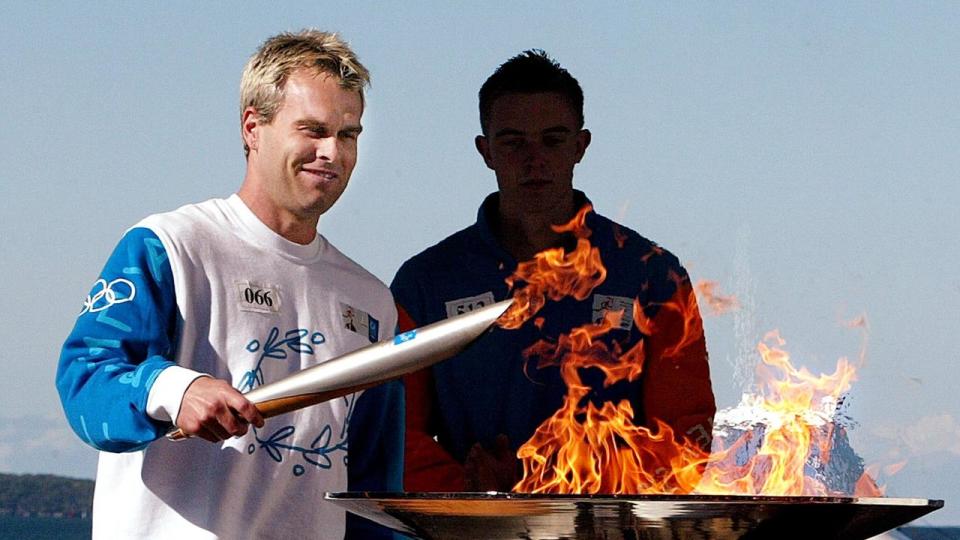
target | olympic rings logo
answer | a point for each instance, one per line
(117, 291)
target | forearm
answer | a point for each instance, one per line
(105, 399)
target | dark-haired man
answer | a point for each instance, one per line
(467, 417)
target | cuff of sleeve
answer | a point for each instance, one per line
(167, 391)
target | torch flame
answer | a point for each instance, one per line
(554, 273)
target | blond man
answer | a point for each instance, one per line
(199, 305)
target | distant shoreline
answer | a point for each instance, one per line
(45, 496)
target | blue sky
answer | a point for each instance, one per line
(803, 155)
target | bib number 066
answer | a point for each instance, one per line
(259, 297)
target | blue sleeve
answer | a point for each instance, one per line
(375, 442)
(123, 339)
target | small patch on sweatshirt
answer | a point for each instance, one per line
(360, 322)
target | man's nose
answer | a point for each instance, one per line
(534, 154)
(328, 148)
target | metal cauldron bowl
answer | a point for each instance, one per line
(494, 516)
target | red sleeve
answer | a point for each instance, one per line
(427, 466)
(676, 387)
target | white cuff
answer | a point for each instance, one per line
(167, 391)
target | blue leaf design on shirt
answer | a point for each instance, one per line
(302, 341)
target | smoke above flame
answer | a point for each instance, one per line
(585, 448)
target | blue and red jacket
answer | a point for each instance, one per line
(491, 389)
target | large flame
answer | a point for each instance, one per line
(584, 448)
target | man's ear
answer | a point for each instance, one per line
(250, 123)
(483, 147)
(583, 141)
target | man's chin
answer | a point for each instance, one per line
(319, 201)
(315, 211)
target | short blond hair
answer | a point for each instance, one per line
(267, 71)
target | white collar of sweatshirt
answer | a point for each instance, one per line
(269, 239)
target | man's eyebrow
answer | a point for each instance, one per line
(312, 124)
(511, 132)
(505, 132)
(317, 125)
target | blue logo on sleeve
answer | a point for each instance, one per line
(404, 337)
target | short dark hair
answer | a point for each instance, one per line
(530, 72)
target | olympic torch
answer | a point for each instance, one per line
(371, 365)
